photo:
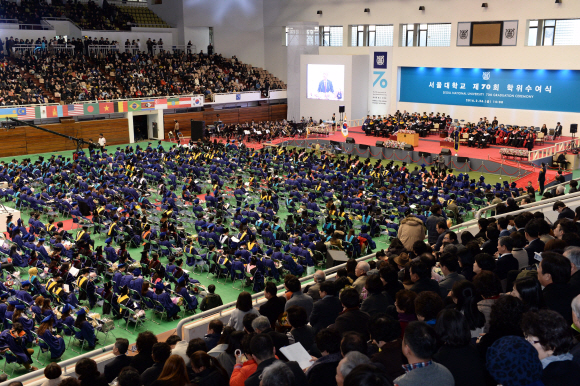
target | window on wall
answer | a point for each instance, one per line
(552, 32)
(426, 35)
(331, 36)
(371, 35)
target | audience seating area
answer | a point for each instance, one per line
(49, 77)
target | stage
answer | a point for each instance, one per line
(431, 144)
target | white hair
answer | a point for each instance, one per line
(363, 266)
(277, 374)
(576, 306)
(352, 360)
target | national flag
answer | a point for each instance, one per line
(62, 110)
(185, 102)
(148, 104)
(198, 100)
(345, 127)
(42, 111)
(106, 108)
(51, 112)
(26, 113)
(9, 112)
(73, 110)
(134, 106)
(121, 107)
(172, 102)
(160, 104)
(91, 108)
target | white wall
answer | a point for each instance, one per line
(278, 13)
(26, 34)
(238, 26)
(65, 28)
(199, 37)
(171, 11)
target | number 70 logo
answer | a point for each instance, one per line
(383, 82)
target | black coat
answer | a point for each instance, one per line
(209, 377)
(142, 361)
(114, 368)
(376, 304)
(152, 373)
(280, 340)
(558, 297)
(574, 284)
(273, 308)
(536, 245)
(353, 320)
(324, 312)
(565, 373)
(323, 374)
(98, 380)
(426, 285)
(464, 363)
(299, 376)
(505, 264)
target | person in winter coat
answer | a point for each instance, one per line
(411, 229)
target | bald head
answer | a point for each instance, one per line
(362, 268)
(319, 276)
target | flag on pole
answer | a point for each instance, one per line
(345, 127)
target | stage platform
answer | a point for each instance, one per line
(431, 144)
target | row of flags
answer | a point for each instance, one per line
(58, 111)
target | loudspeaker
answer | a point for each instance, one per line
(363, 147)
(445, 151)
(350, 140)
(341, 109)
(380, 144)
(462, 159)
(573, 128)
(408, 147)
(197, 130)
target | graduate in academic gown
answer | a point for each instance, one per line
(181, 289)
(15, 340)
(87, 331)
(54, 343)
(165, 300)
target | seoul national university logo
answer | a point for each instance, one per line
(486, 75)
(510, 33)
(380, 60)
(463, 33)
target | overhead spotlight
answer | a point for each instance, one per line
(367, 10)
(422, 8)
(319, 12)
(558, 1)
(483, 5)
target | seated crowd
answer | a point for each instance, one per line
(88, 16)
(48, 76)
(239, 230)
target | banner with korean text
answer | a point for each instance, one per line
(381, 64)
(545, 90)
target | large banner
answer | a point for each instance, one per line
(380, 80)
(547, 90)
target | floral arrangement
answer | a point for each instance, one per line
(514, 152)
(394, 145)
(403, 131)
(447, 139)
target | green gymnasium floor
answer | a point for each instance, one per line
(226, 291)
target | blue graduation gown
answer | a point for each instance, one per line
(68, 321)
(55, 345)
(23, 295)
(190, 300)
(87, 332)
(166, 302)
(8, 341)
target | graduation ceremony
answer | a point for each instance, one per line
(289, 193)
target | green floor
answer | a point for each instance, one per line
(225, 290)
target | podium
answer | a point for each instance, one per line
(411, 139)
